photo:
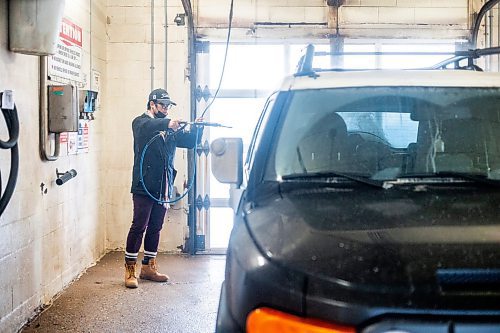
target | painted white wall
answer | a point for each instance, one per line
(47, 240)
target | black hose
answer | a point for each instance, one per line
(12, 121)
(11, 183)
(12, 125)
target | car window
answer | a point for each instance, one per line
(257, 134)
(396, 129)
(388, 132)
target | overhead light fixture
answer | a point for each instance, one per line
(180, 19)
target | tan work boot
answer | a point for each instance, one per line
(150, 272)
(130, 278)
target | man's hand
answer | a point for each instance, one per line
(174, 124)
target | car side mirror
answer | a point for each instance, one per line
(227, 160)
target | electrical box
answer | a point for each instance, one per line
(63, 113)
(34, 25)
(87, 102)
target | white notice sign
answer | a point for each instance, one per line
(67, 62)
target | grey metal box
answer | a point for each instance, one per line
(63, 112)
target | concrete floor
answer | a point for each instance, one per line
(99, 301)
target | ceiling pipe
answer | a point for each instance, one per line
(152, 65)
(477, 22)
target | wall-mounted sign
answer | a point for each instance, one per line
(83, 136)
(67, 62)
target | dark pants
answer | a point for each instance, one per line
(148, 216)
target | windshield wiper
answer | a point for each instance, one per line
(482, 179)
(330, 174)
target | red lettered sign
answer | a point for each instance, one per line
(70, 33)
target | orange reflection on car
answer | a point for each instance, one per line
(265, 320)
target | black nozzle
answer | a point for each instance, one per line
(64, 177)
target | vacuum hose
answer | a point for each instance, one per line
(12, 122)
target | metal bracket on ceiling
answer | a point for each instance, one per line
(335, 3)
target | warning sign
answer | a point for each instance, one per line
(67, 62)
(63, 137)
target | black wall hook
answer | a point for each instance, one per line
(63, 177)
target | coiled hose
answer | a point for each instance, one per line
(141, 163)
(12, 121)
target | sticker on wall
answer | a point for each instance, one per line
(72, 143)
(63, 144)
(96, 86)
(67, 62)
(83, 136)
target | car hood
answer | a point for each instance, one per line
(396, 241)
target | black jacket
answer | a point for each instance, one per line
(158, 164)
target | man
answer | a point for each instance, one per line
(158, 177)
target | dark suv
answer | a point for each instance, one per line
(369, 202)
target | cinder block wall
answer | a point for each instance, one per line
(128, 85)
(48, 239)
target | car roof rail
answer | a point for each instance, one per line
(305, 64)
(470, 55)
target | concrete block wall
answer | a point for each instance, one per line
(48, 239)
(128, 85)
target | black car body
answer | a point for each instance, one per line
(369, 203)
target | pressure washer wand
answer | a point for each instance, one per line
(203, 123)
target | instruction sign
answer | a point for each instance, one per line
(83, 136)
(67, 62)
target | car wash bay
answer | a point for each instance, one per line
(63, 231)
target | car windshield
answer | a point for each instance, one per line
(386, 133)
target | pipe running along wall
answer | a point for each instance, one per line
(43, 116)
(190, 244)
(477, 23)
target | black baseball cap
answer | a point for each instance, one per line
(160, 96)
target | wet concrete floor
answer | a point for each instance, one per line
(99, 301)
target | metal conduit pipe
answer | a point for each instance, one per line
(477, 23)
(166, 47)
(152, 66)
(191, 243)
(43, 115)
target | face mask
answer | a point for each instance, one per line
(160, 115)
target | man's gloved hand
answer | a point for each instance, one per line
(174, 124)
